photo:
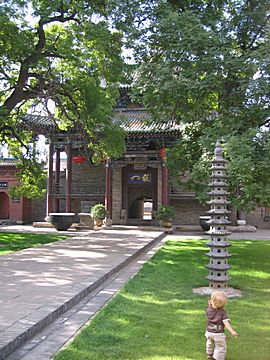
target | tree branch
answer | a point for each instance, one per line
(18, 94)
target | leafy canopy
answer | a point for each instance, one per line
(206, 65)
(63, 52)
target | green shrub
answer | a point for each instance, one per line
(165, 212)
(98, 212)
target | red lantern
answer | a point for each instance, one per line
(79, 159)
(162, 153)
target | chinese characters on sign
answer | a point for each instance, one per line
(3, 184)
(139, 178)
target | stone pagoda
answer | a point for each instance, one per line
(218, 255)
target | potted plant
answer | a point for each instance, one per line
(98, 214)
(166, 214)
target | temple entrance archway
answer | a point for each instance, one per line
(4, 205)
(139, 194)
(141, 209)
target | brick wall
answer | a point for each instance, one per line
(88, 187)
(256, 218)
(88, 178)
(38, 210)
(188, 211)
(27, 211)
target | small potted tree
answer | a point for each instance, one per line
(166, 214)
(98, 214)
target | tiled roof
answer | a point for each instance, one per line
(136, 121)
(8, 162)
(39, 123)
(133, 121)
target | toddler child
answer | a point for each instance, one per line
(217, 319)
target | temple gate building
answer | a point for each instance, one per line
(132, 187)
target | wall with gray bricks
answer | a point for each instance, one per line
(257, 218)
(188, 211)
(38, 210)
(88, 178)
(88, 187)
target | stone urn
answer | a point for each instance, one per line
(203, 221)
(61, 221)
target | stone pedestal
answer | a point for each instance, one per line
(86, 222)
(228, 291)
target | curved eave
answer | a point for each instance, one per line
(43, 125)
(40, 124)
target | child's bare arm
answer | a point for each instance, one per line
(229, 327)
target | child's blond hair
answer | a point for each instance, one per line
(219, 299)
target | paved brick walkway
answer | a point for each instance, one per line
(39, 284)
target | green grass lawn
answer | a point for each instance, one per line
(157, 317)
(10, 242)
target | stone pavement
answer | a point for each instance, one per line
(53, 290)
(40, 284)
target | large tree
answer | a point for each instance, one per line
(206, 65)
(61, 52)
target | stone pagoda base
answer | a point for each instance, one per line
(229, 291)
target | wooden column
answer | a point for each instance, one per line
(50, 180)
(108, 201)
(164, 192)
(68, 177)
(57, 178)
